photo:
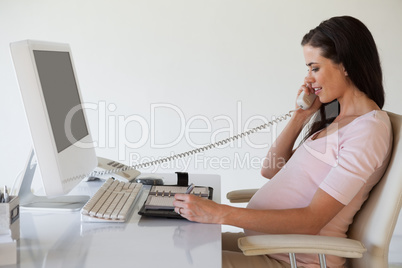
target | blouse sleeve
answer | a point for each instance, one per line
(362, 149)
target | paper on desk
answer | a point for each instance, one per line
(4, 231)
(8, 249)
(5, 237)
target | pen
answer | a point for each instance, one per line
(190, 188)
(5, 198)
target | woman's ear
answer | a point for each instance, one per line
(344, 70)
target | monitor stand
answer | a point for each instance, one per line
(28, 200)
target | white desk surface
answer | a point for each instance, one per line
(60, 239)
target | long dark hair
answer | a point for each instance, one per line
(348, 41)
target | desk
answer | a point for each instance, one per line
(60, 239)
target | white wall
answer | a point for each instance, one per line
(220, 64)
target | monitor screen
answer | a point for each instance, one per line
(60, 92)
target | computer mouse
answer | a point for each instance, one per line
(92, 178)
(149, 179)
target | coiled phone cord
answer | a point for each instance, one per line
(212, 145)
(191, 152)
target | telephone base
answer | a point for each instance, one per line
(111, 166)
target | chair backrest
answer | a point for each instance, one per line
(375, 222)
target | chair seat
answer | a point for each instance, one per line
(274, 244)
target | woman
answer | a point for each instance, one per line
(327, 178)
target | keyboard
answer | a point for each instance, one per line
(112, 202)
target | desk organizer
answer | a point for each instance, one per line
(10, 217)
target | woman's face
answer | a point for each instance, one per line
(327, 79)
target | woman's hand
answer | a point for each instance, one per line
(197, 209)
(306, 87)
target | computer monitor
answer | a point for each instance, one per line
(61, 137)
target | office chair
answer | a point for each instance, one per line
(369, 235)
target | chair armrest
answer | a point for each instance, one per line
(315, 244)
(240, 196)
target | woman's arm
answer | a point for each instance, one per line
(307, 220)
(282, 149)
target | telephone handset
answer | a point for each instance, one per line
(304, 101)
